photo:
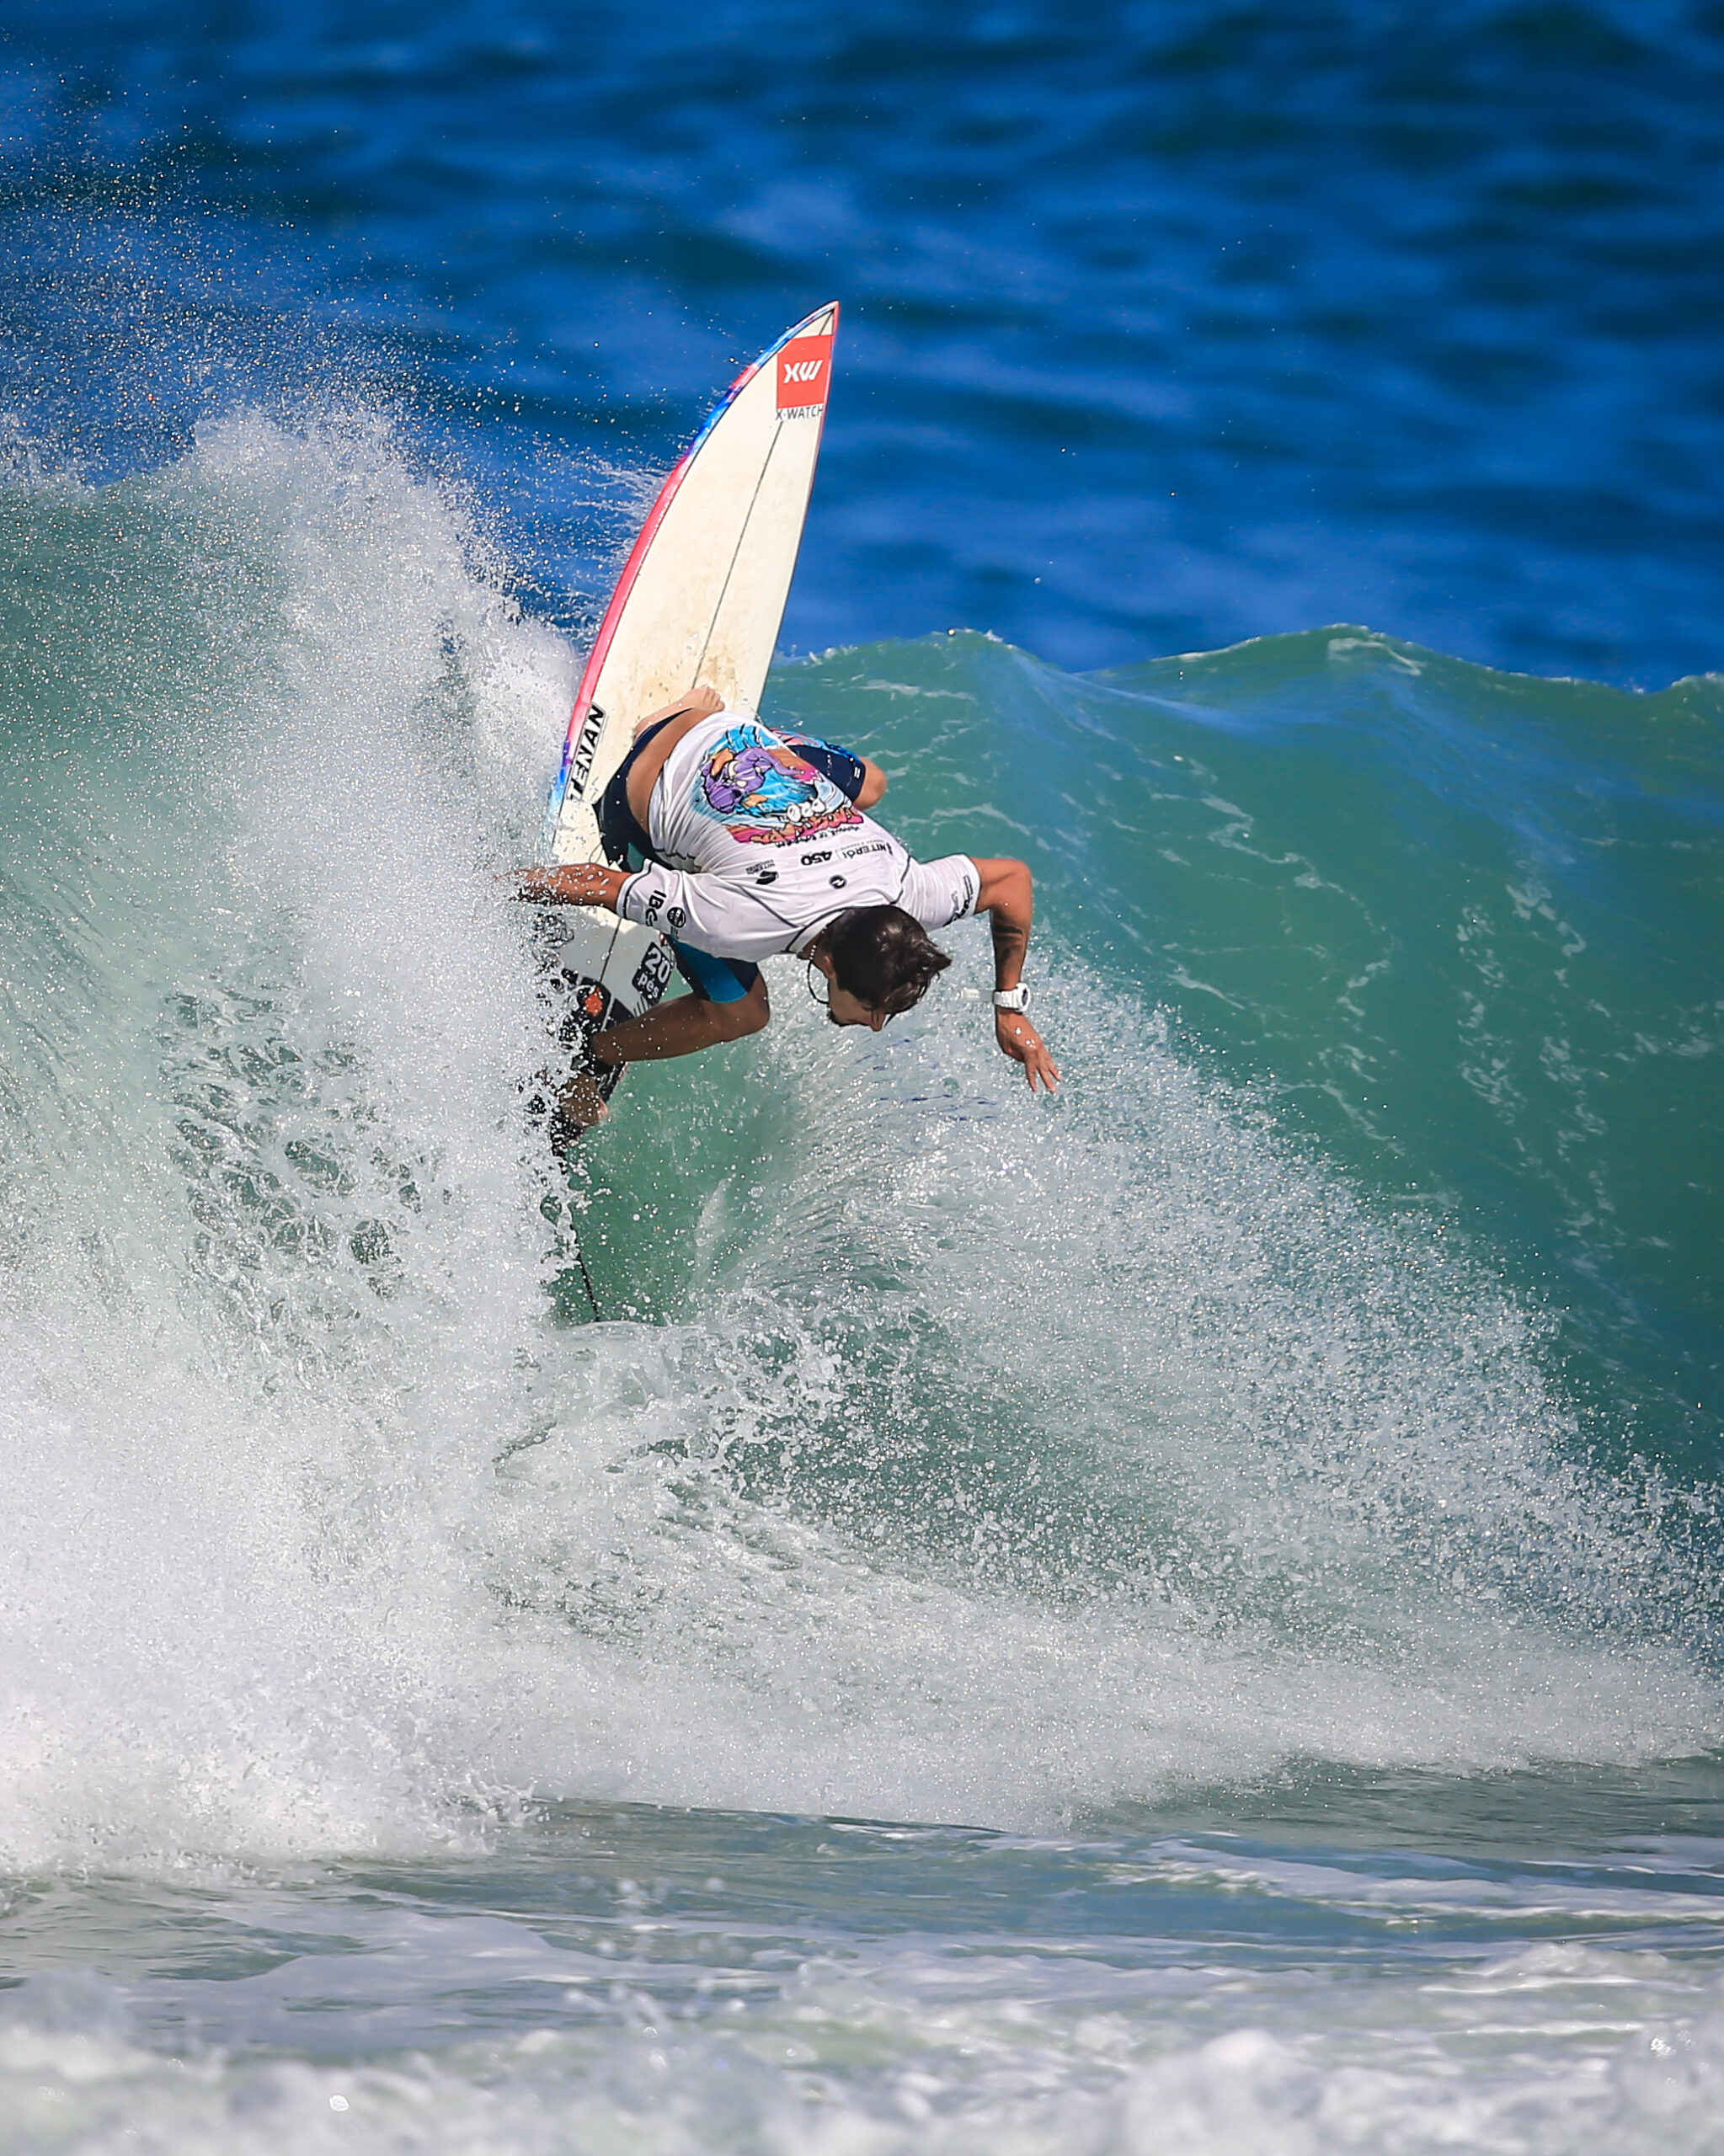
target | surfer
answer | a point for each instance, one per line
(754, 841)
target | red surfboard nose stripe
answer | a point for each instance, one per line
(804, 365)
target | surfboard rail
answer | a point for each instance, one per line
(588, 720)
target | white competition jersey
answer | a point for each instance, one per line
(762, 849)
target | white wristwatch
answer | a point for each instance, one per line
(1012, 999)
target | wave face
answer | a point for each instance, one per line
(1459, 925)
(1177, 1621)
(941, 1455)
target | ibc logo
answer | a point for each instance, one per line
(802, 374)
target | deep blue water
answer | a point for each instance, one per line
(1167, 324)
(1183, 1619)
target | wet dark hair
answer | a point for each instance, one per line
(882, 956)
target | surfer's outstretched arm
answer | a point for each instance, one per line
(1007, 897)
(581, 884)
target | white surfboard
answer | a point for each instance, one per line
(700, 599)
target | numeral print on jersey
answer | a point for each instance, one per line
(652, 977)
(803, 368)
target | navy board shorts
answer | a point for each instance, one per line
(720, 980)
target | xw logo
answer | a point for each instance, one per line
(803, 367)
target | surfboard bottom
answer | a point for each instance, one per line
(598, 971)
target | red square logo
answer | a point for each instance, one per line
(803, 365)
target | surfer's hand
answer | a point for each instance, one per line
(1019, 1040)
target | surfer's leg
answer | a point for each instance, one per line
(700, 702)
(855, 777)
(683, 1027)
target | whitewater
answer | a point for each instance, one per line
(1132, 1623)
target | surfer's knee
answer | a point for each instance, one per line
(754, 1012)
(749, 1014)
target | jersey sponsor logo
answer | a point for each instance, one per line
(764, 794)
(581, 765)
(838, 883)
(675, 919)
(809, 859)
(873, 846)
(803, 367)
(763, 875)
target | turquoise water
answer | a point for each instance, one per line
(1183, 1617)
(1249, 1517)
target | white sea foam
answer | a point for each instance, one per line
(1001, 1460)
(909, 2054)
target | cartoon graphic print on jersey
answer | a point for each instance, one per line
(763, 793)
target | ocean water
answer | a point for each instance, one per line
(1184, 1618)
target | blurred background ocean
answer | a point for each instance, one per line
(1184, 1619)
(1167, 324)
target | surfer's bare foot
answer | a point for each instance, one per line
(700, 702)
